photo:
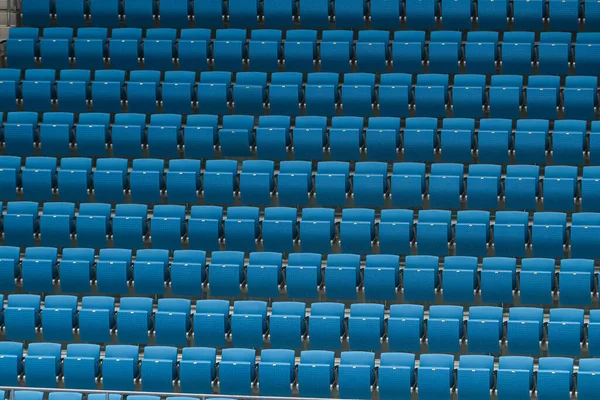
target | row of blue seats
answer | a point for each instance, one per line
(286, 95)
(265, 276)
(380, 14)
(34, 395)
(302, 52)
(287, 325)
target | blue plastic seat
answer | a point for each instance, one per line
(120, 367)
(514, 377)
(183, 181)
(130, 225)
(164, 135)
(229, 50)
(159, 368)
(287, 324)
(129, 134)
(110, 180)
(586, 376)
(537, 281)
(197, 369)
(585, 53)
(445, 51)
(342, 276)
(468, 95)
(434, 231)
(408, 51)
(321, 93)
(565, 331)
(405, 327)
(172, 320)
(42, 364)
(125, 48)
(589, 188)
(200, 136)
(96, 318)
(326, 325)
(168, 226)
(485, 327)
(576, 280)
(366, 326)
(92, 135)
(147, 180)
(188, 272)
(382, 138)
(276, 372)
(475, 376)
(421, 14)
(134, 320)
(249, 92)
(420, 139)
(211, 322)
(38, 90)
(256, 182)
(549, 234)
(142, 91)
(555, 376)
(12, 362)
(357, 230)
(554, 51)
(460, 278)
(358, 94)
(494, 140)
(498, 279)
(214, 92)
(20, 134)
(59, 318)
(529, 15)
(579, 95)
(249, 323)
(543, 97)
(285, 93)
(560, 188)
(445, 329)
(568, 144)
(56, 134)
(506, 95)
(511, 233)
(55, 51)
(280, 229)
(108, 91)
(446, 186)
(226, 273)
(209, 14)
(408, 184)
(521, 186)
(264, 274)
(316, 372)
(57, 224)
(39, 269)
(593, 333)
(237, 137)
(431, 95)
(300, 49)
(77, 270)
(525, 330)
(356, 374)
(205, 227)
(332, 183)
(396, 375)
(22, 316)
(346, 138)
(279, 14)
(21, 222)
(436, 375)
(583, 233)
(421, 278)
(372, 51)
(294, 183)
(315, 13)
(303, 275)
(90, 48)
(242, 228)
(9, 267)
(264, 50)
(484, 186)
(396, 231)
(220, 181)
(39, 178)
(481, 51)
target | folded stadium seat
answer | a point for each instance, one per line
(22, 48)
(446, 186)
(460, 278)
(280, 229)
(445, 53)
(529, 15)
(395, 95)
(21, 223)
(159, 48)
(498, 279)
(332, 183)
(357, 230)
(175, 14)
(342, 276)
(96, 318)
(300, 50)
(381, 277)
(43, 364)
(242, 228)
(475, 376)
(294, 182)
(250, 92)
(372, 50)
(287, 325)
(12, 362)
(506, 96)
(594, 143)
(39, 269)
(326, 326)
(396, 232)
(236, 137)
(248, 324)
(39, 89)
(421, 278)
(584, 230)
(230, 50)
(273, 137)
(408, 184)
(226, 273)
(120, 367)
(316, 371)
(285, 93)
(560, 188)
(147, 180)
(420, 139)
(56, 134)
(205, 228)
(568, 144)
(57, 224)
(59, 318)
(309, 138)
(130, 226)
(210, 14)
(537, 281)
(264, 50)
(317, 229)
(356, 374)
(435, 378)
(346, 138)
(211, 323)
(469, 96)
(580, 98)
(445, 328)
(37, 13)
(321, 94)
(457, 14)
(431, 95)
(244, 14)
(586, 377)
(576, 282)
(521, 185)
(564, 16)
(405, 327)
(554, 49)
(358, 94)
(525, 330)
(434, 232)
(164, 135)
(382, 138)
(125, 47)
(159, 367)
(81, 366)
(194, 49)
(593, 336)
(134, 320)
(56, 48)
(421, 14)
(370, 183)
(472, 233)
(303, 275)
(408, 51)
(200, 135)
(543, 97)
(514, 376)
(279, 14)
(20, 135)
(511, 233)
(110, 180)
(147, 268)
(565, 331)
(586, 60)
(591, 14)
(197, 369)
(22, 317)
(143, 90)
(350, 14)
(555, 377)
(11, 89)
(140, 13)
(173, 322)
(264, 274)
(9, 268)
(485, 327)
(39, 178)
(108, 91)
(484, 183)
(549, 234)
(481, 51)
(91, 48)
(183, 181)
(76, 269)
(188, 272)
(276, 372)
(396, 375)
(494, 140)
(106, 13)
(72, 90)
